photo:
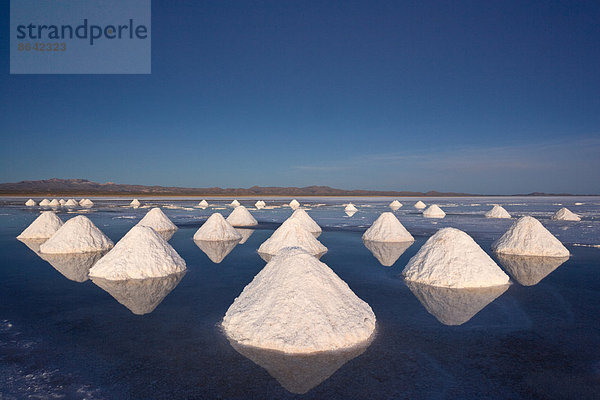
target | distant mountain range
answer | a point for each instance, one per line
(57, 187)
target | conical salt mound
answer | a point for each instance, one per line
(30, 203)
(497, 212)
(451, 258)
(45, 202)
(291, 234)
(217, 228)
(564, 214)
(71, 202)
(62, 202)
(203, 203)
(387, 253)
(240, 216)
(43, 227)
(54, 203)
(141, 253)
(259, 204)
(234, 203)
(77, 235)
(350, 208)
(394, 205)
(528, 237)
(434, 212)
(157, 220)
(135, 203)
(387, 228)
(86, 203)
(419, 205)
(529, 270)
(294, 204)
(306, 221)
(297, 304)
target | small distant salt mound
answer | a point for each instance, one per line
(141, 253)
(260, 204)
(45, 203)
(217, 228)
(387, 228)
(294, 204)
(350, 213)
(451, 258)
(351, 208)
(30, 203)
(529, 270)
(291, 234)
(43, 227)
(216, 250)
(246, 233)
(81, 201)
(74, 267)
(77, 235)
(62, 202)
(497, 212)
(240, 216)
(564, 214)
(203, 204)
(394, 205)
(387, 253)
(135, 203)
(297, 304)
(54, 203)
(86, 203)
(157, 220)
(528, 237)
(419, 205)
(234, 203)
(71, 202)
(578, 204)
(434, 212)
(306, 221)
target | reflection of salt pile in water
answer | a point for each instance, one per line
(140, 296)
(30, 203)
(259, 204)
(77, 235)
(387, 253)
(71, 203)
(564, 214)
(350, 207)
(54, 203)
(497, 212)
(349, 213)
(306, 221)
(528, 237)
(216, 250)
(86, 203)
(240, 216)
(32, 243)
(43, 227)
(299, 373)
(246, 233)
(135, 203)
(62, 202)
(434, 212)
(141, 253)
(74, 267)
(453, 306)
(217, 228)
(203, 204)
(45, 203)
(157, 220)
(234, 203)
(387, 228)
(451, 258)
(297, 304)
(294, 204)
(419, 205)
(394, 205)
(291, 234)
(529, 270)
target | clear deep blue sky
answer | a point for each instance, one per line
(471, 96)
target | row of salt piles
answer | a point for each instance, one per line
(61, 202)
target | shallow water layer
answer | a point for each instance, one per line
(72, 339)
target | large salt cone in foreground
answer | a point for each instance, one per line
(387, 228)
(291, 234)
(216, 228)
(453, 306)
(246, 233)
(350, 208)
(135, 203)
(299, 373)
(30, 203)
(216, 250)
(394, 205)
(234, 203)
(74, 267)
(564, 214)
(297, 304)
(240, 216)
(294, 204)
(451, 258)
(71, 203)
(306, 221)
(141, 253)
(140, 296)
(387, 253)
(45, 203)
(157, 220)
(77, 235)
(419, 205)
(434, 211)
(497, 212)
(529, 270)
(43, 227)
(528, 237)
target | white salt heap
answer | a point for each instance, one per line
(141, 253)
(71, 202)
(54, 203)
(291, 234)
(157, 220)
(394, 205)
(297, 304)
(62, 202)
(451, 258)
(135, 203)
(419, 205)
(294, 204)
(81, 202)
(217, 228)
(234, 203)
(350, 208)
(260, 204)
(43, 227)
(387, 228)
(528, 237)
(564, 214)
(45, 202)
(306, 221)
(77, 235)
(497, 212)
(203, 203)
(240, 216)
(434, 212)
(86, 203)
(30, 203)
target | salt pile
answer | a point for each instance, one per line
(260, 204)
(81, 202)
(394, 205)
(528, 237)
(451, 258)
(387, 228)
(434, 212)
(54, 203)
(350, 208)
(349, 213)
(216, 250)
(240, 216)
(217, 228)
(294, 204)
(529, 270)
(157, 220)
(45, 202)
(43, 227)
(419, 205)
(203, 204)
(141, 253)
(234, 203)
(291, 234)
(564, 214)
(387, 253)
(62, 202)
(86, 203)
(30, 203)
(71, 202)
(135, 203)
(497, 212)
(306, 221)
(297, 304)
(76, 266)
(77, 235)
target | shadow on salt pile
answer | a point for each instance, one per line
(452, 306)
(299, 373)
(246, 233)
(74, 266)
(387, 253)
(216, 250)
(140, 296)
(529, 270)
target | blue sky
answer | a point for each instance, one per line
(466, 96)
